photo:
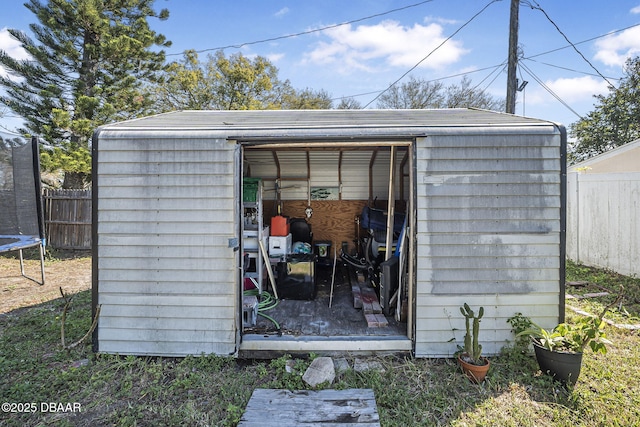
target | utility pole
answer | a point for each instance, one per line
(512, 80)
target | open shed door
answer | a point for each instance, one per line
(331, 285)
(165, 227)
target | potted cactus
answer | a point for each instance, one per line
(473, 364)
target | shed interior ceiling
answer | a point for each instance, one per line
(360, 170)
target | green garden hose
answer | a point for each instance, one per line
(266, 302)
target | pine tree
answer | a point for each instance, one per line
(89, 63)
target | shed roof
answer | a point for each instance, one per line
(353, 123)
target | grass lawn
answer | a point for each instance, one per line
(36, 373)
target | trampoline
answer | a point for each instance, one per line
(21, 215)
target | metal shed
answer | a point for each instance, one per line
(603, 202)
(483, 195)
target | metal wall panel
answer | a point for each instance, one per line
(166, 212)
(488, 235)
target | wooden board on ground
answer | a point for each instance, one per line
(370, 303)
(357, 296)
(577, 284)
(278, 408)
(376, 320)
(591, 295)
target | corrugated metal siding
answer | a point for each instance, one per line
(166, 280)
(488, 232)
(355, 175)
(323, 166)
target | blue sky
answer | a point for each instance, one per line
(363, 58)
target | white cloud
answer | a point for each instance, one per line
(571, 91)
(275, 57)
(350, 49)
(11, 47)
(579, 88)
(614, 49)
(444, 21)
(281, 12)
(635, 10)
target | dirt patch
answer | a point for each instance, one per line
(71, 271)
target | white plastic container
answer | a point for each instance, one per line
(280, 245)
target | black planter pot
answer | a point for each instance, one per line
(561, 365)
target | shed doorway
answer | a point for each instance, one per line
(316, 266)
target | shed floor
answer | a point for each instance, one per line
(315, 318)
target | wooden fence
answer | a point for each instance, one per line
(67, 218)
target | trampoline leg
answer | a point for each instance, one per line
(41, 266)
(42, 263)
(21, 262)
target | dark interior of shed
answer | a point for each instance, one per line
(328, 272)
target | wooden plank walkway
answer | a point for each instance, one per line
(326, 408)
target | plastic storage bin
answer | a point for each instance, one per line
(250, 189)
(279, 245)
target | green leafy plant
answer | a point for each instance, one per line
(520, 323)
(472, 349)
(586, 331)
(575, 337)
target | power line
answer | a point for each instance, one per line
(493, 67)
(430, 53)
(572, 45)
(500, 68)
(548, 89)
(568, 41)
(302, 33)
(569, 69)
(584, 41)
